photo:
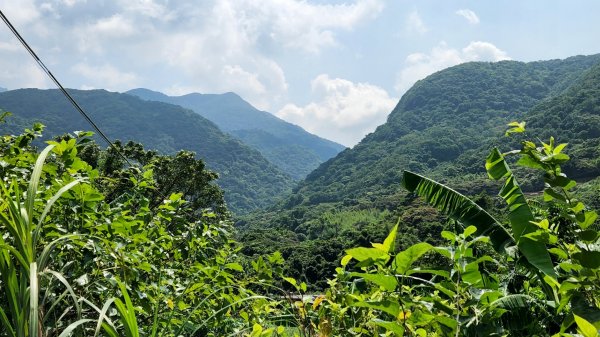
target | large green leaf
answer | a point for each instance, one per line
(519, 214)
(588, 259)
(388, 282)
(513, 302)
(458, 207)
(363, 253)
(586, 328)
(394, 327)
(406, 258)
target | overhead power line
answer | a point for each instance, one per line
(62, 89)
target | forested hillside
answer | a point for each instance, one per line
(248, 179)
(442, 127)
(574, 116)
(286, 145)
(443, 124)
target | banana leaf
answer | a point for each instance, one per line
(459, 207)
(519, 214)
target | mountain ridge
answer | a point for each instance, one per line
(287, 145)
(248, 179)
(443, 128)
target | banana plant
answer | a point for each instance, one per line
(464, 210)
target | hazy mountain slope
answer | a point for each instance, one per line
(288, 146)
(248, 179)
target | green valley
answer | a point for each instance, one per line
(399, 236)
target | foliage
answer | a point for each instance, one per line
(83, 256)
(445, 123)
(92, 246)
(249, 180)
(479, 291)
(441, 128)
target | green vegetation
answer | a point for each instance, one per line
(288, 146)
(93, 244)
(442, 128)
(75, 261)
(87, 249)
(248, 179)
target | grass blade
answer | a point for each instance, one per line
(35, 179)
(103, 316)
(49, 205)
(73, 326)
(64, 281)
(33, 300)
(6, 323)
(44, 257)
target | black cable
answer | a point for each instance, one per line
(67, 95)
(62, 89)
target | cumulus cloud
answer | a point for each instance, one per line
(343, 111)
(414, 24)
(105, 76)
(114, 26)
(469, 15)
(20, 12)
(211, 46)
(420, 65)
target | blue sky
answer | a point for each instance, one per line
(336, 68)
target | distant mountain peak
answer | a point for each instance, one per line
(288, 146)
(147, 94)
(161, 126)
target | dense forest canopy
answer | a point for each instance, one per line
(171, 268)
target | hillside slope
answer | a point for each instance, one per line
(286, 145)
(573, 117)
(248, 179)
(443, 127)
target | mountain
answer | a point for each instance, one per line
(286, 145)
(3, 89)
(573, 117)
(248, 179)
(443, 127)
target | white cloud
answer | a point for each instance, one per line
(114, 26)
(469, 15)
(414, 24)
(210, 46)
(29, 75)
(343, 111)
(106, 77)
(420, 65)
(310, 27)
(20, 12)
(147, 8)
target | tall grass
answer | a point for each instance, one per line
(22, 262)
